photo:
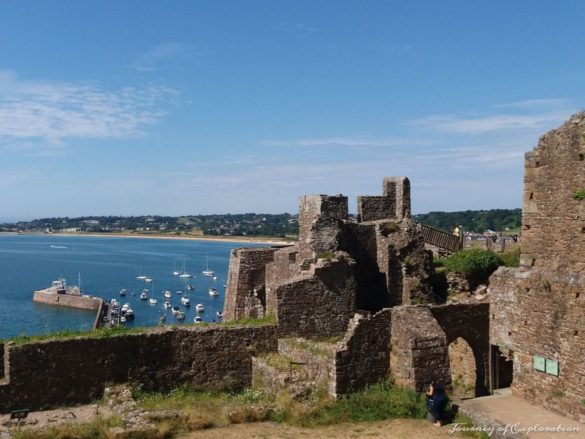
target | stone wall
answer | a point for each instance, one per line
(373, 208)
(319, 303)
(2, 361)
(284, 267)
(364, 357)
(399, 189)
(320, 218)
(67, 300)
(419, 352)
(539, 309)
(61, 372)
(246, 290)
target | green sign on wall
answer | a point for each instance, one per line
(552, 367)
(539, 363)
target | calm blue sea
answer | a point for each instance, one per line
(106, 265)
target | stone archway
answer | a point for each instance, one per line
(463, 368)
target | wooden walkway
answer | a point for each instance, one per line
(441, 239)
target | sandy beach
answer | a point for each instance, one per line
(238, 239)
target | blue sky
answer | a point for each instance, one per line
(195, 107)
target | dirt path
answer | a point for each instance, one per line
(393, 429)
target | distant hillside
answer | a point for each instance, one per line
(473, 220)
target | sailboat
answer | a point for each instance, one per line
(207, 271)
(184, 274)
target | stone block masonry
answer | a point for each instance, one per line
(247, 275)
(63, 372)
(538, 310)
(364, 356)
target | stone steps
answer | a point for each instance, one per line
(300, 366)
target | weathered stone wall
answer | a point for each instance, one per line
(469, 321)
(2, 360)
(419, 353)
(373, 208)
(320, 218)
(406, 263)
(246, 290)
(364, 357)
(60, 372)
(66, 300)
(319, 303)
(463, 370)
(399, 189)
(547, 294)
(285, 266)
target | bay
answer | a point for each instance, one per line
(106, 265)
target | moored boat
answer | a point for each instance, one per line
(199, 307)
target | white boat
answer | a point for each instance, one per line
(141, 277)
(207, 271)
(214, 277)
(152, 301)
(129, 314)
(167, 294)
(148, 280)
(125, 307)
(114, 303)
(176, 273)
(179, 292)
(219, 314)
(180, 315)
(176, 310)
(143, 295)
(183, 274)
(198, 319)
(190, 287)
(123, 319)
(213, 292)
(199, 307)
(185, 301)
(167, 305)
(122, 292)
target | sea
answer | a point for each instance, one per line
(106, 265)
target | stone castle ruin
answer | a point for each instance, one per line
(352, 303)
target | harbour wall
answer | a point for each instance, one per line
(52, 373)
(67, 300)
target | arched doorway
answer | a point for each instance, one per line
(463, 369)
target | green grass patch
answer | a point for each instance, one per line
(511, 258)
(473, 263)
(68, 334)
(270, 319)
(579, 194)
(97, 428)
(328, 256)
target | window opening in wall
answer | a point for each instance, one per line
(581, 157)
(531, 195)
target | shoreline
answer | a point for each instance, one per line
(235, 239)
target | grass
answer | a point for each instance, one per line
(270, 319)
(98, 428)
(579, 194)
(183, 410)
(511, 258)
(68, 334)
(328, 256)
(375, 403)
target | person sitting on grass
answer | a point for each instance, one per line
(436, 403)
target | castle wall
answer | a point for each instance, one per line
(320, 218)
(419, 349)
(284, 267)
(470, 322)
(373, 208)
(63, 372)
(547, 294)
(320, 303)
(399, 189)
(364, 357)
(245, 295)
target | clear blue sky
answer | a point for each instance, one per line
(194, 107)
